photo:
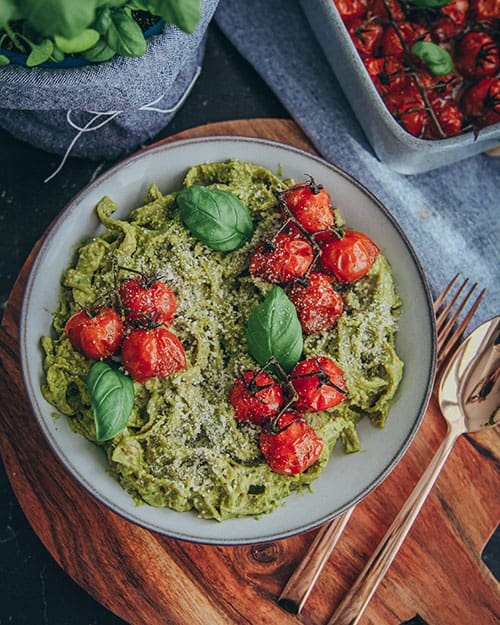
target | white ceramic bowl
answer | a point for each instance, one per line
(347, 478)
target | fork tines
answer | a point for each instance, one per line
(446, 320)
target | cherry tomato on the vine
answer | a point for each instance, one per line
(386, 9)
(476, 55)
(152, 352)
(366, 36)
(408, 108)
(147, 299)
(391, 44)
(481, 102)
(317, 303)
(448, 114)
(485, 10)
(450, 21)
(350, 9)
(293, 447)
(387, 72)
(349, 258)
(319, 383)
(311, 206)
(255, 397)
(281, 259)
(96, 334)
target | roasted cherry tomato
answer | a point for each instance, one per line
(293, 447)
(350, 9)
(450, 21)
(281, 259)
(409, 110)
(366, 36)
(317, 303)
(485, 10)
(476, 56)
(448, 115)
(387, 72)
(148, 299)
(391, 44)
(255, 397)
(96, 334)
(319, 383)
(311, 206)
(481, 102)
(444, 86)
(349, 258)
(386, 9)
(151, 353)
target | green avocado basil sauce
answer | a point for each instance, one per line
(182, 447)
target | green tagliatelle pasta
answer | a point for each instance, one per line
(182, 447)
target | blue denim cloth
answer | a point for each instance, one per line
(451, 214)
(35, 102)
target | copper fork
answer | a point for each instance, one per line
(303, 579)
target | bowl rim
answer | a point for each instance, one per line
(73, 204)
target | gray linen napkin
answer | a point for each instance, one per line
(451, 215)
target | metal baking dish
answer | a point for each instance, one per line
(394, 146)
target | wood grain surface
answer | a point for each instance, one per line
(148, 579)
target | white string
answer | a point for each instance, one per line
(111, 115)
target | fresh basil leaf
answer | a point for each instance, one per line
(437, 59)
(429, 4)
(40, 53)
(8, 12)
(274, 329)
(4, 60)
(100, 52)
(53, 17)
(183, 13)
(217, 218)
(111, 398)
(124, 34)
(85, 40)
(57, 55)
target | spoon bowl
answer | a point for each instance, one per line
(469, 398)
(469, 391)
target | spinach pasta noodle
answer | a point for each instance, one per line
(182, 447)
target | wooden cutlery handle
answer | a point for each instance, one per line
(304, 577)
(355, 602)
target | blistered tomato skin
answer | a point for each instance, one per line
(450, 21)
(350, 257)
(97, 336)
(311, 206)
(351, 9)
(282, 259)
(319, 383)
(147, 300)
(485, 10)
(255, 397)
(366, 36)
(391, 44)
(317, 303)
(476, 56)
(293, 447)
(152, 352)
(481, 102)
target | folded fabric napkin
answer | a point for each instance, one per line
(451, 214)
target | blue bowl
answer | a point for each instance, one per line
(17, 58)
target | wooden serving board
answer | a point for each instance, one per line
(148, 579)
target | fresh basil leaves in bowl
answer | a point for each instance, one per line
(347, 478)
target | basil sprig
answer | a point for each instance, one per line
(273, 329)
(217, 218)
(111, 398)
(437, 59)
